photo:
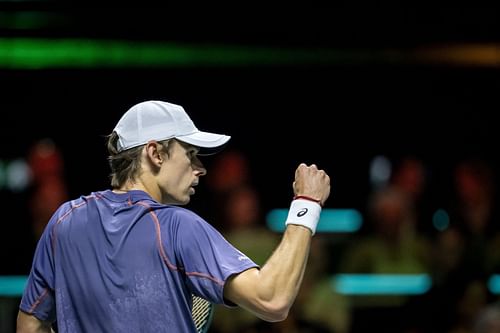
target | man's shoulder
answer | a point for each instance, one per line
(177, 212)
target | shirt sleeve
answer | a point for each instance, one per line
(208, 259)
(38, 296)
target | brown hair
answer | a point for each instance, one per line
(125, 165)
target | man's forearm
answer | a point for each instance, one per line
(270, 292)
(281, 276)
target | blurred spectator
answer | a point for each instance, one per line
(237, 209)
(49, 188)
(466, 253)
(488, 319)
(472, 299)
(230, 170)
(318, 302)
(392, 246)
(474, 214)
(243, 226)
(411, 175)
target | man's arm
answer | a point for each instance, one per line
(27, 323)
(270, 292)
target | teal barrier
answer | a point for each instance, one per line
(12, 285)
(331, 220)
(381, 284)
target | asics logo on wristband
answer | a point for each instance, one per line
(302, 212)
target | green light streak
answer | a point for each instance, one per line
(63, 53)
(32, 53)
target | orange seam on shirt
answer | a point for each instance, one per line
(164, 255)
(62, 218)
(158, 237)
(206, 276)
(38, 301)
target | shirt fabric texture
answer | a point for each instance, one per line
(110, 262)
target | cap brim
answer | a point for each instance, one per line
(209, 143)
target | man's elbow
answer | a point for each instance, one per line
(274, 312)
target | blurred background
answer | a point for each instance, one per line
(398, 105)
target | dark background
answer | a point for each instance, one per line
(379, 97)
(338, 115)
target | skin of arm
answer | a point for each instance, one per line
(270, 292)
(27, 323)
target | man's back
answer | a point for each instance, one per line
(109, 269)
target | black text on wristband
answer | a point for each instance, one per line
(305, 213)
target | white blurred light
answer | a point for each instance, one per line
(380, 170)
(18, 175)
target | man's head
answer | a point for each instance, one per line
(153, 134)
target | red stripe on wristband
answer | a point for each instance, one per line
(305, 197)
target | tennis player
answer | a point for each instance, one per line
(129, 259)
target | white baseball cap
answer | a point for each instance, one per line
(157, 120)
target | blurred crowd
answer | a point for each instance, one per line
(409, 227)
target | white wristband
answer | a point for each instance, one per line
(305, 213)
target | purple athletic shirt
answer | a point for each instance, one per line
(112, 262)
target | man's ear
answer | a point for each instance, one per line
(154, 154)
